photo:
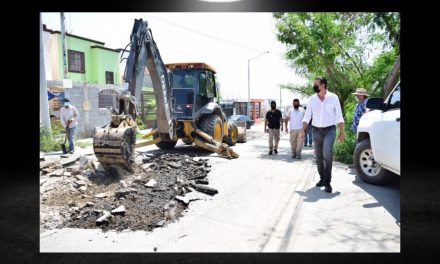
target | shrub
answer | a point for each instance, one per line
(47, 143)
(55, 125)
(343, 151)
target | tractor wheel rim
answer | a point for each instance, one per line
(217, 132)
(234, 133)
(367, 163)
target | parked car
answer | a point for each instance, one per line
(249, 122)
(241, 127)
(377, 152)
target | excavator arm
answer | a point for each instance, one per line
(115, 143)
(144, 53)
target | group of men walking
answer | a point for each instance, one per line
(323, 113)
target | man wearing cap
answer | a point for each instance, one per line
(360, 96)
(274, 120)
(68, 116)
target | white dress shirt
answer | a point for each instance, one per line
(68, 113)
(295, 116)
(325, 113)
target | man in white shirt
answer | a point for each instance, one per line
(325, 109)
(295, 115)
(69, 119)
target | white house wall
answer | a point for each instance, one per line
(47, 55)
(54, 56)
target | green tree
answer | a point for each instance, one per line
(337, 45)
(383, 28)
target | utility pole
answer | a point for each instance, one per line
(249, 92)
(63, 36)
(249, 85)
(280, 96)
(44, 102)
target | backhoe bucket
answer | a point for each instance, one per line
(114, 145)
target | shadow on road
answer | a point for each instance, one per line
(387, 195)
(314, 194)
(284, 153)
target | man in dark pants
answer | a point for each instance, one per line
(274, 119)
(308, 140)
(325, 109)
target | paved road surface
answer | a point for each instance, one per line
(265, 204)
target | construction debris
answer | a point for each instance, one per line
(56, 173)
(103, 195)
(202, 181)
(151, 183)
(182, 199)
(119, 211)
(204, 189)
(69, 161)
(85, 195)
(103, 218)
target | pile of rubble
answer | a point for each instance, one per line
(76, 191)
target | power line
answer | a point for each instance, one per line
(206, 35)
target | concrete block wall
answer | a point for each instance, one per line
(88, 120)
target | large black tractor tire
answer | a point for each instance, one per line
(232, 137)
(366, 168)
(165, 144)
(213, 126)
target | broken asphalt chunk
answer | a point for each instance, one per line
(56, 173)
(151, 183)
(204, 189)
(202, 181)
(69, 161)
(119, 211)
(182, 199)
(103, 218)
(103, 195)
(123, 192)
(83, 189)
(174, 165)
(160, 223)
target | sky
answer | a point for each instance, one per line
(226, 41)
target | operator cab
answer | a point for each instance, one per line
(193, 87)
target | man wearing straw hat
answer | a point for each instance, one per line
(360, 96)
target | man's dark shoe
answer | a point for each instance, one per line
(270, 152)
(276, 151)
(328, 188)
(320, 183)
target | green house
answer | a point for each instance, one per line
(87, 59)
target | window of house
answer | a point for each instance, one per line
(75, 61)
(109, 77)
(107, 98)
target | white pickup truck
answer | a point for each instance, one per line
(378, 149)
